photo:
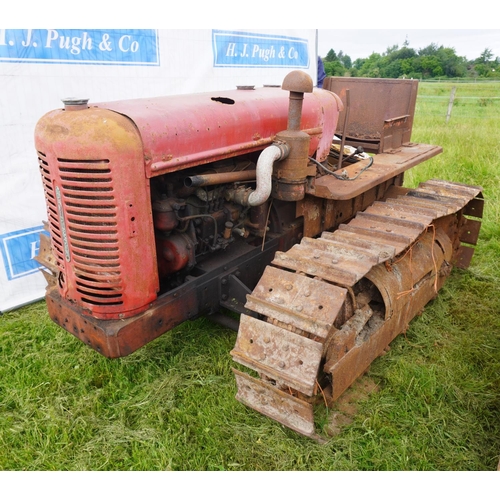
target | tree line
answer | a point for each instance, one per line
(432, 61)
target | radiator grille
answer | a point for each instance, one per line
(83, 224)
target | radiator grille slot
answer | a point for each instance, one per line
(55, 230)
(91, 220)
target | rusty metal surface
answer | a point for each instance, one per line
(390, 260)
(406, 287)
(182, 131)
(463, 257)
(344, 340)
(327, 216)
(278, 405)
(121, 337)
(312, 304)
(385, 166)
(100, 222)
(297, 81)
(327, 260)
(381, 116)
(286, 357)
(46, 258)
(222, 178)
(118, 338)
(378, 248)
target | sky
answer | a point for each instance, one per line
(468, 28)
(361, 43)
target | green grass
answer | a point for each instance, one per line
(171, 405)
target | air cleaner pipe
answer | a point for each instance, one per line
(264, 170)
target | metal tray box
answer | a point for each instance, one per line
(378, 112)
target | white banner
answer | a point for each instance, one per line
(39, 67)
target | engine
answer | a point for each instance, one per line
(140, 193)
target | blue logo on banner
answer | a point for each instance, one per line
(232, 48)
(118, 47)
(18, 251)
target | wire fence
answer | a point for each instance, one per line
(458, 80)
(447, 97)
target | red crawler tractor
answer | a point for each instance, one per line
(284, 205)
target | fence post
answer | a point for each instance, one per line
(450, 103)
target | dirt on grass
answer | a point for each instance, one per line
(345, 408)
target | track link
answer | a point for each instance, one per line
(326, 308)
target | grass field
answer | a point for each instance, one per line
(431, 403)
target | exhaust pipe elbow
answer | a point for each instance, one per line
(264, 171)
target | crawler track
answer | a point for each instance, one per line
(326, 308)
